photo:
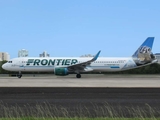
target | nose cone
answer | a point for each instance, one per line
(4, 66)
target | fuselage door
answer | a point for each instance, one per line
(21, 63)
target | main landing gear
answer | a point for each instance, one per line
(78, 75)
(19, 75)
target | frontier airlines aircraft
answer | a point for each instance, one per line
(64, 65)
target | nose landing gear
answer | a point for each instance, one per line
(19, 75)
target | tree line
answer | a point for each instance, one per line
(150, 69)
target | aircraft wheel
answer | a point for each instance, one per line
(19, 76)
(78, 75)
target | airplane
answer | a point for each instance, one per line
(63, 66)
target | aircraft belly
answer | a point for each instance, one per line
(38, 68)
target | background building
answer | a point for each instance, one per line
(4, 56)
(157, 55)
(23, 53)
(44, 54)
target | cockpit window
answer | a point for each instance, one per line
(9, 61)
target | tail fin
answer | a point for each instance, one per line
(143, 55)
(146, 47)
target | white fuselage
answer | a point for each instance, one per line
(36, 64)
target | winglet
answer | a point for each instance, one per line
(96, 56)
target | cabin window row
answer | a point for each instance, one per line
(109, 62)
(83, 61)
(105, 61)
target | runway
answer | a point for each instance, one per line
(90, 96)
(87, 80)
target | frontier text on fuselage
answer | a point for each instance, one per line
(52, 62)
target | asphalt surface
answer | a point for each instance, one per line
(87, 80)
(79, 101)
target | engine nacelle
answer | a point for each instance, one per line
(61, 71)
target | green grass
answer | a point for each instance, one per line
(47, 111)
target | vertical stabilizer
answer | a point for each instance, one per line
(144, 54)
(145, 47)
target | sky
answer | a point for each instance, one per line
(77, 27)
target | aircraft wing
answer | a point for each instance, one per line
(82, 66)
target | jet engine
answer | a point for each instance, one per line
(61, 71)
